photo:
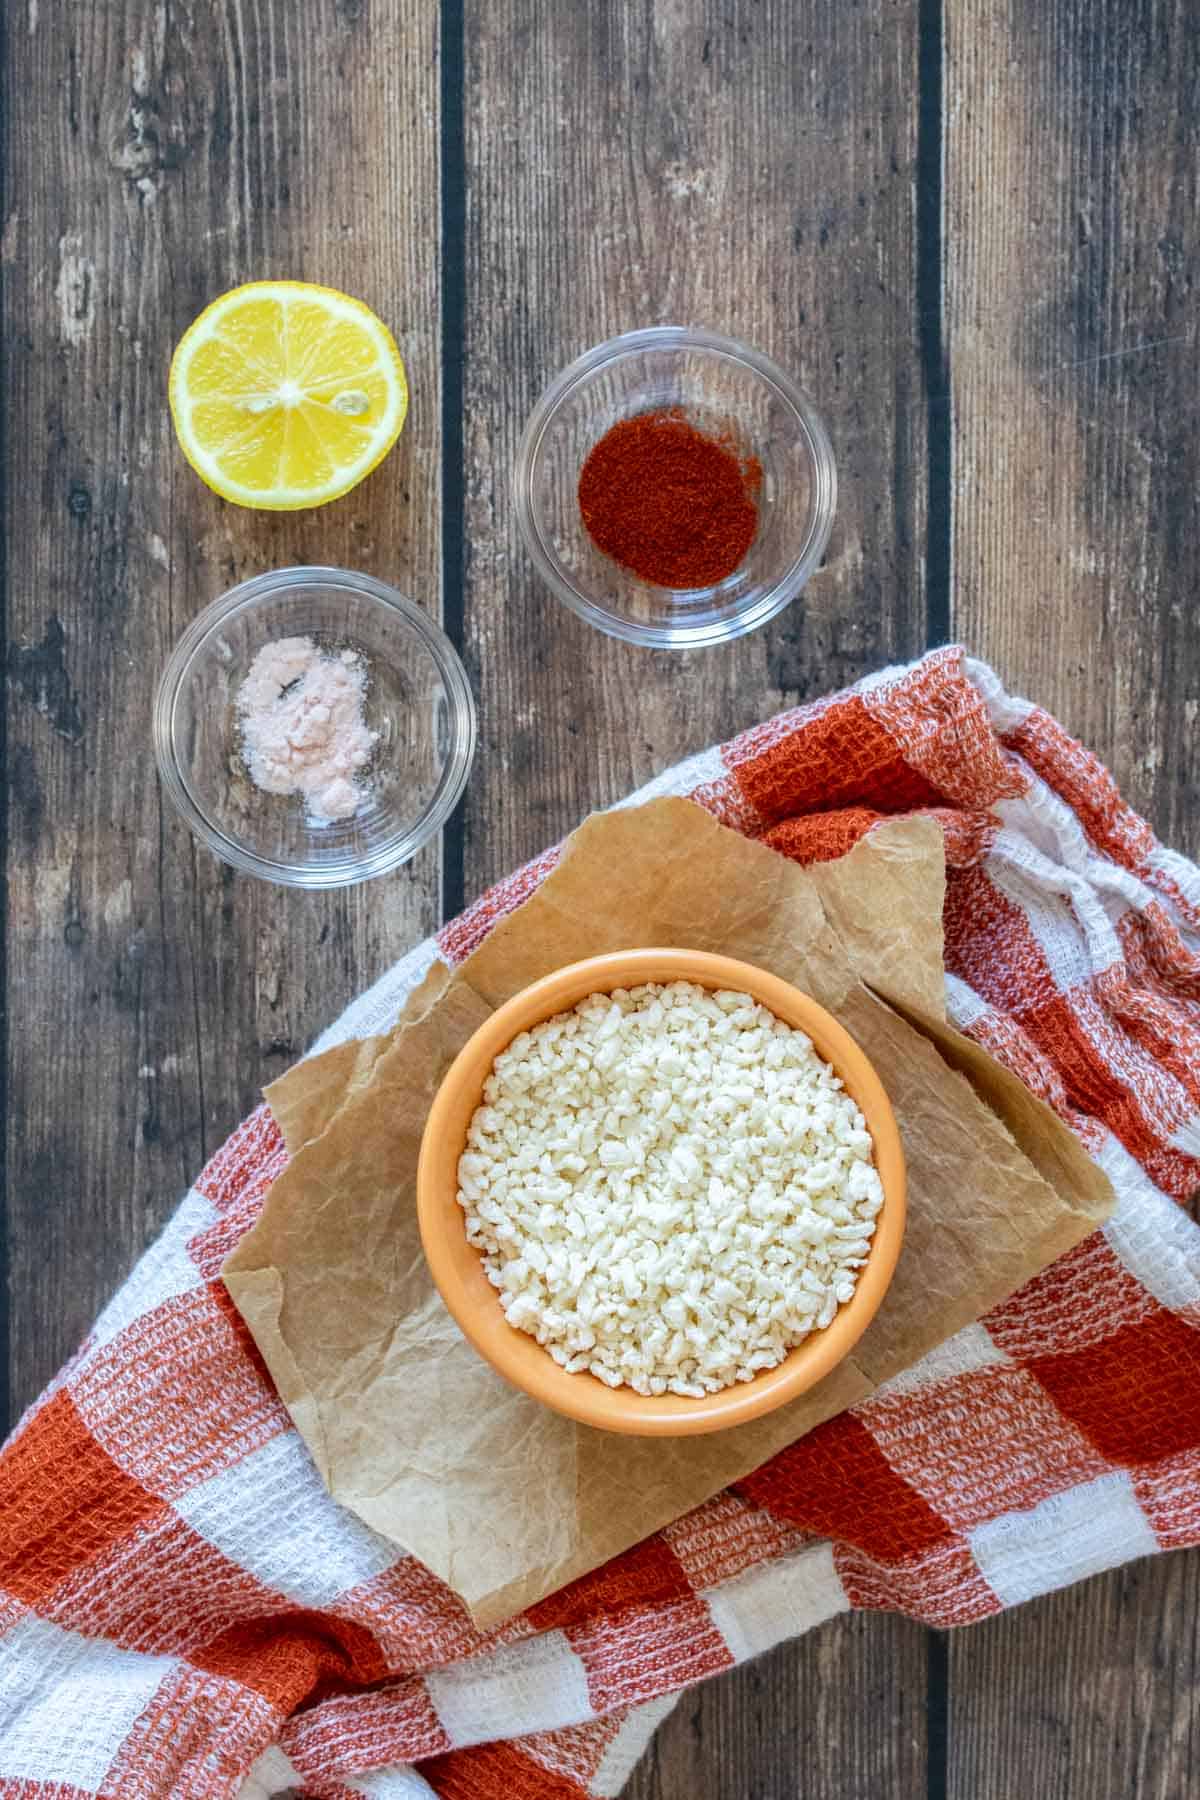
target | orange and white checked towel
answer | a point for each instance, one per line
(185, 1612)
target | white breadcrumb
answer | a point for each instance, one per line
(669, 1187)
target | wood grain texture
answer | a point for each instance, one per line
(1072, 253)
(751, 168)
(1071, 282)
(1084, 1695)
(167, 153)
(840, 1716)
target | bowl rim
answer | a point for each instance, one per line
(456, 1266)
(463, 726)
(812, 427)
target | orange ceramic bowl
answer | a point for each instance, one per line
(457, 1267)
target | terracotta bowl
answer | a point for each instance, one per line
(457, 1267)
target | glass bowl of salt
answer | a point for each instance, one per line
(675, 487)
(314, 727)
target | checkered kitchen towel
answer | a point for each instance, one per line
(185, 1612)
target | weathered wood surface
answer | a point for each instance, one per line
(167, 153)
(1071, 286)
(1005, 353)
(1071, 266)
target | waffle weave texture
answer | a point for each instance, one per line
(184, 1612)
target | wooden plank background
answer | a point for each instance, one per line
(1069, 323)
(177, 150)
(971, 231)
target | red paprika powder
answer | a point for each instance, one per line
(675, 506)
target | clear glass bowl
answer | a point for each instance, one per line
(723, 387)
(417, 700)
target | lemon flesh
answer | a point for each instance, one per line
(284, 395)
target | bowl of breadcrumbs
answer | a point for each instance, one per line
(662, 1191)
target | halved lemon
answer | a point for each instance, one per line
(284, 395)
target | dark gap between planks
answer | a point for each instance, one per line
(931, 328)
(454, 328)
(937, 1715)
(5, 389)
(931, 323)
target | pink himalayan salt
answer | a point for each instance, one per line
(303, 730)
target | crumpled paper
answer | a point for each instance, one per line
(410, 1429)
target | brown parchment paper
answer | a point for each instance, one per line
(411, 1431)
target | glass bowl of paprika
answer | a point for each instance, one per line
(675, 488)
